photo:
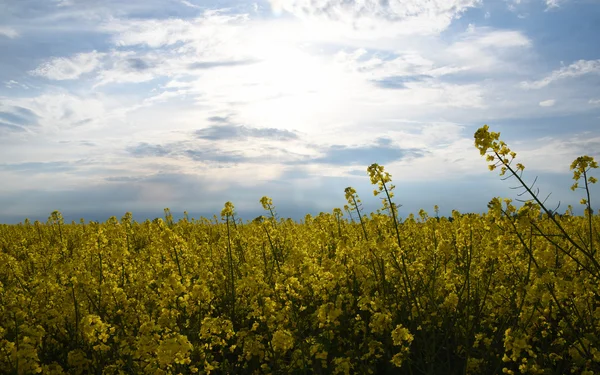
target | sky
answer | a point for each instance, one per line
(108, 107)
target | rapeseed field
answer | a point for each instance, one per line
(513, 290)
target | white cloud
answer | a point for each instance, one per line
(554, 154)
(576, 69)
(168, 32)
(547, 103)
(489, 38)
(479, 49)
(594, 101)
(132, 67)
(62, 68)
(406, 63)
(399, 17)
(153, 33)
(12, 83)
(553, 4)
(8, 32)
(60, 110)
(290, 82)
(485, 50)
(64, 3)
(189, 4)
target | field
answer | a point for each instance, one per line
(509, 291)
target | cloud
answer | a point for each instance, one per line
(217, 64)
(576, 69)
(483, 49)
(170, 90)
(555, 153)
(144, 149)
(62, 68)
(189, 4)
(369, 63)
(382, 152)
(550, 4)
(19, 116)
(83, 143)
(8, 32)
(122, 179)
(221, 156)
(399, 82)
(30, 168)
(156, 33)
(153, 33)
(477, 50)
(64, 3)
(12, 83)
(238, 150)
(219, 119)
(401, 17)
(164, 96)
(175, 47)
(204, 153)
(56, 110)
(5, 127)
(488, 38)
(137, 64)
(547, 103)
(240, 132)
(235, 151)
(132, 67)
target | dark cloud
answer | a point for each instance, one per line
(381, 153)
(217, 64)
(200, 153)
(147, 150)
(398, 82)
(384, 141)
(218, 119)
(226, 132)
(83, 122)
(137, 64)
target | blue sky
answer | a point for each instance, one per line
(110, 106)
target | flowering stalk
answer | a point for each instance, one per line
(226, 213)
(487, 141)
(381, 178)
(582, 165)
(354, 202)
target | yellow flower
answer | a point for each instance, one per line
(282, 341)
(380, 322)
(227, 210)
(401, 335)
(451, 301)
